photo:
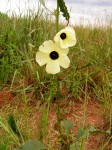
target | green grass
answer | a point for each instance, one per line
(89, 78)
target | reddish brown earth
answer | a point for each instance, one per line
(74, 111)
(5, 97)
(71, 109)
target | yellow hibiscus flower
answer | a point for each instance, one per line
(53, 56)
(66, 37)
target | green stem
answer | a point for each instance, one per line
(26, 113)
(58, 111)
(85, 107)
(57, 17)
(58, 87)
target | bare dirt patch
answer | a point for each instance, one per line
(73, 111)
(5, 97)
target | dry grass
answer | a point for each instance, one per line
(71, 109)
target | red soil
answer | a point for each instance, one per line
(74, 112)
(5, 97)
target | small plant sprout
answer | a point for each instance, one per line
(66, 37)
(53, 56)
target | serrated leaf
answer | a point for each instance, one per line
(32, 145)
(63, 9)
(42, 2)
(67, 125)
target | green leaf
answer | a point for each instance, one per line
(13, 126)
(3, 147)
(80, 133)
(83, 133)
(67, 125)
(92, 129)
(4, 142)
(108, 131)
(87, 133)
(32, 145)
(42, 2)
(63, 9)
(74, 146)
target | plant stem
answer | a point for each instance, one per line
(58, 111)
(57, 17)
(85, 107)
(26, 112)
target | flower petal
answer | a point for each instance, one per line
(61, 50)
(70, 28)
(57, 36)
(64, 51)
(64, 61)
(42, 58)
(53, 67)
(47, 46)
(64, 44)
(70, 39)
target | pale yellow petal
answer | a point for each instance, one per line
(64, 44)
(61, 50)
(47, 46)
(64, 61)
(42, 58)
(64, 51)
(72, 36)
(57, 37)
(53, 67)
(71, 29)
(70, 42)
(70, 39)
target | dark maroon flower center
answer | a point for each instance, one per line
(54, 55)
(63, 36)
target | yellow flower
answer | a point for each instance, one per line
(53, 56)
(66, 37)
